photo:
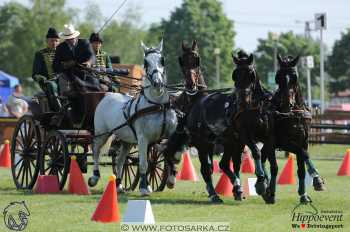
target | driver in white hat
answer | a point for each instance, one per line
(69, 55)
(72, 51)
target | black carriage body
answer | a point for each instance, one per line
(85, 115)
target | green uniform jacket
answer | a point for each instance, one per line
(42, 64)
(102, 60)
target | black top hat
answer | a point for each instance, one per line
(52, 33)
(95, 37)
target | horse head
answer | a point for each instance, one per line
(154, 68)
(244, 76)
(286, 78)
(190, 66)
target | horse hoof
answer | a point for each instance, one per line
(171, 182)
(318, 183)
(260, 186)
(269, 198)
(120, 189)
(215, 199)
(305, 199)
(145, 192)
(92, 182)
(237, 193)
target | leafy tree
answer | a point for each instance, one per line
(338, 65)
(287, 44)
(206, 22)
(23, 33)
(123, 37)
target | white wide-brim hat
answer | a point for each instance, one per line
(69, 32)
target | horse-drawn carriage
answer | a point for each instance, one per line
(43, 143)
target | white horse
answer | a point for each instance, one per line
(144, 129)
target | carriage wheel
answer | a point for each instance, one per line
(25, 150)
(130, 173)
(157, 169)
(55, 158)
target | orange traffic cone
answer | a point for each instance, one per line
(216, 168)
(77, 183)
(344, 169)
(107, 209)
(187, 171)
(47, 184)
(287, 175)
(224, 186)
(5, 157)
(248, 163)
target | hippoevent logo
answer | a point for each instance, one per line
(307, 216)
(16, 216)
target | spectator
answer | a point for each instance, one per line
(16, 105)
(3, 109)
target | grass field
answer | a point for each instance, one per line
(187, 202)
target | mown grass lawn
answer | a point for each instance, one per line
(187, 202)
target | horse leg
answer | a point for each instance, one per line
(204, 153)
(123, 153)
(260, 185)
(234, 152)
(269, 153)
(317, 181)
(304, 198)
(143, 166)
(98, 142)
(173, 151)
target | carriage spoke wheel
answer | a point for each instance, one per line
(157, 169)
(55, 158)
(25, 150)
(130, 174)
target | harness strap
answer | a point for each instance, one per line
(126, 113)
(138, 113)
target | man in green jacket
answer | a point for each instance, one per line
(43, 70)
(102, 61)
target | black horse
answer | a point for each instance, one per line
(291, 128)
(259, 120)
(251, 120)
(200, 127)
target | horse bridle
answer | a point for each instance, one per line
(149, 76)
(195, 81)
(251, 86)
(286, 95)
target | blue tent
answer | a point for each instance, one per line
(7, 82)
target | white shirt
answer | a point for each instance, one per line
(17, 105)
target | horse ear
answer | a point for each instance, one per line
(295, 61)
(183, 46)
(280, 60)
(144, 47)
(180, 61)
(194, 45)
(198, 61)
(235, 60)
(160, 46)
(251, 59)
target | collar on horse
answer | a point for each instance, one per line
(155, 108)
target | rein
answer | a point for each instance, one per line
(130, 119)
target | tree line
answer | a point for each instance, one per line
(23, 29)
